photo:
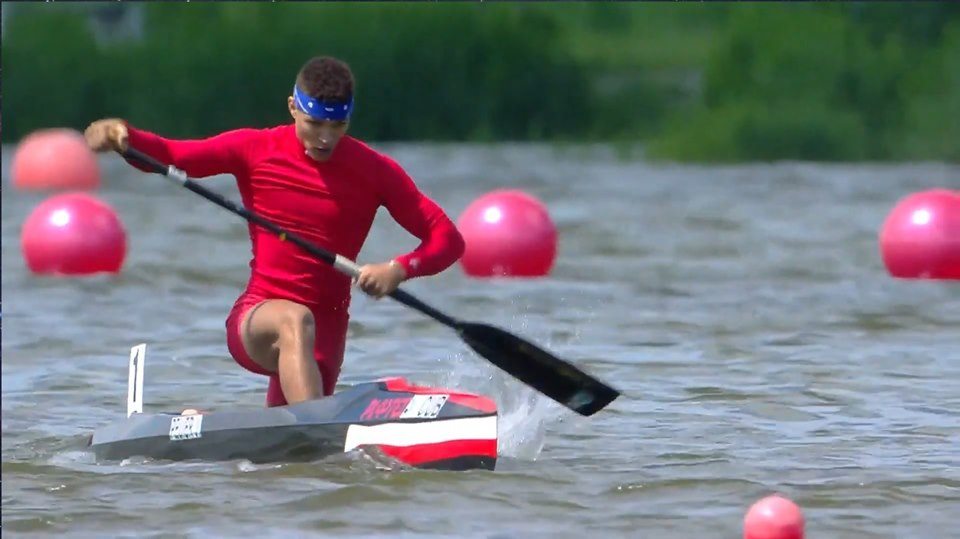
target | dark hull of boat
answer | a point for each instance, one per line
(419, 426)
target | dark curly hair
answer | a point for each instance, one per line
(326, 78)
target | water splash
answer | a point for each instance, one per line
(525, 415)
(524, 419)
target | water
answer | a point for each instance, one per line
(743, 311)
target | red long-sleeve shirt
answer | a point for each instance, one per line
(332, 204)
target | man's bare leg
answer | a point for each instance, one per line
(278, 335)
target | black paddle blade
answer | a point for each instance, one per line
(538, 368)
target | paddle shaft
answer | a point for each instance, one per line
(340, 263)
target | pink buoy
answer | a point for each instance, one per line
(773, 517)
(73, 234)
(55, 159)
(920, 239)
(507, 233)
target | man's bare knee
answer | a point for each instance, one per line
(297, 325)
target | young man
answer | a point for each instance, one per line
(311, 178)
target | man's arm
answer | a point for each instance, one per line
(440, 242)
(226, 153)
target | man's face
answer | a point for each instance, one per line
(319, 137)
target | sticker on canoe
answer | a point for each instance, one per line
(185, 427)
(424, 406)
(385, 408)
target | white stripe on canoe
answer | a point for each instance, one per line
(428, 432)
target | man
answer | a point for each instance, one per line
(314, 180)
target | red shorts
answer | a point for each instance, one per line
(329, 343)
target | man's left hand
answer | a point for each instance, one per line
(378, 280)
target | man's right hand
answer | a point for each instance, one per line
(107, 135)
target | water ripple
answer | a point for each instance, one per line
(743, 311)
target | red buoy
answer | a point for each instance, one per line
(73, 234)
(507, 233)
(773, 517)
(920, 239)
(55, 159)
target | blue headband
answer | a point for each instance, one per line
(322, 110)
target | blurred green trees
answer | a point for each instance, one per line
(695, 81)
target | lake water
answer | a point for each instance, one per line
(743, 310)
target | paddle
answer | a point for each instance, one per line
(520, 358)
